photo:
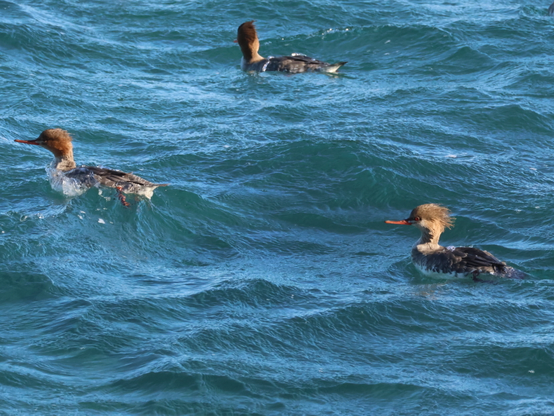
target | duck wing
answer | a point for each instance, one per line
(472, 260)
(111, 178)
(478, 258)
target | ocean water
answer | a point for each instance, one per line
(263, 280)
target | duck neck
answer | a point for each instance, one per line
(250, 53)
(64, 161)
(430, 236)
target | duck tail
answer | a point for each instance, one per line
(334, 67)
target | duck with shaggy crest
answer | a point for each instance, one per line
(247, 38)
(434, 260)
(59, 142)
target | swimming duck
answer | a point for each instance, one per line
(247, 39)
(59, 142)
(434, 260)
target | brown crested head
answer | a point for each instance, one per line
(432, 213)
(58, 141)
(247, 38)
(246, 33)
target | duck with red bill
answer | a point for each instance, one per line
(59, 142)
(434, 260)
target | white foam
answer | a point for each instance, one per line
(146, 192)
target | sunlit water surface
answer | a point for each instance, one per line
(263, 280)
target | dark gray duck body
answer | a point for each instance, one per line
(293, 64)
(98, 176)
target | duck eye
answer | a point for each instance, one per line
(417, 219)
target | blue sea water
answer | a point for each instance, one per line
(263, 280)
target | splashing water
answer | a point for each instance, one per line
(61, 183)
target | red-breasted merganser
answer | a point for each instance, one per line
(58, 141)
(247, 39)
(435, 260)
